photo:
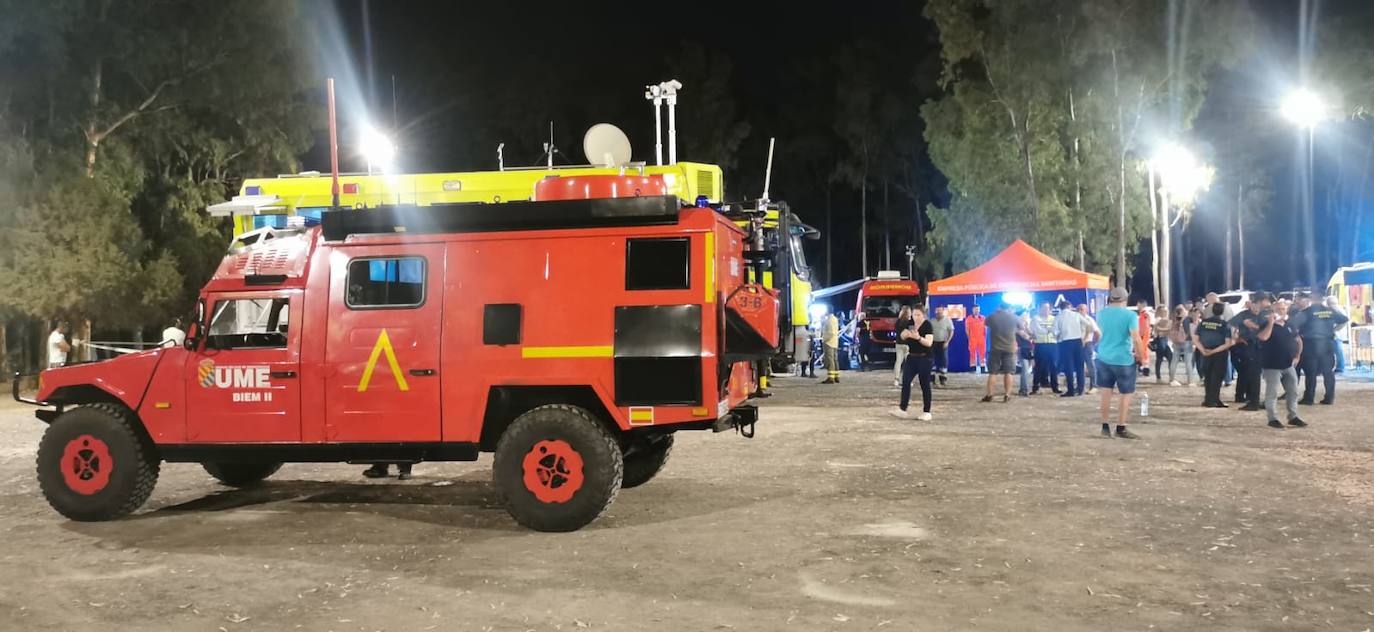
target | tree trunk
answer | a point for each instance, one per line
(1227, 267)
(1154, 236)
(1082, 254)
(829, 233)
(93, 117)
(1030, 183)
(1240, 235)
(863, 213)
(85, 353)
(1166, 236)
(1077, 184)
(1121, 173)
(887, 230)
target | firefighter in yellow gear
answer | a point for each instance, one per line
(830, 335)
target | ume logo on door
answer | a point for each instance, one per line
(237, 377)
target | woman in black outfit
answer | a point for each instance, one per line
(918, 337)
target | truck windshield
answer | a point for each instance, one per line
(799, 266)
(885, 306)
(249, 323)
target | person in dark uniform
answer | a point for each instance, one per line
(1245, 352)
(1212, 338)
(1317, 324)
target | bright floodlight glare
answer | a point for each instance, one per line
(818, 311)
(1180, 172)
(1019, 299)
(1304, 108)
(377, 148)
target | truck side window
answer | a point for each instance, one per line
(658, 264)
(382, 283)
(249, 323)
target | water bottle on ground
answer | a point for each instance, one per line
(1145, 405)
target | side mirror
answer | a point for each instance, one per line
(193, 330)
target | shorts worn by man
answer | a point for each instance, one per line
(1118, 349)
(1001, 327)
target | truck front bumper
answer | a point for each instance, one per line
(44, 414)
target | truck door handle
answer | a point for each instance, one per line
(283, 374)
(422, 372)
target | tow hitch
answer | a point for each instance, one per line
(741, 419)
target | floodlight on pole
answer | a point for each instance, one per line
(1181, 174)
(1304, 108)
(377, 149)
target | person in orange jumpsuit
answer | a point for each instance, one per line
(976, 328)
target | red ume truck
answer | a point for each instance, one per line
(571, 336)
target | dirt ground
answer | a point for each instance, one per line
(836, 517)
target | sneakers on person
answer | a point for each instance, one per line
(1022, 394)
(896, 381)
(1106, 431)
(1124, 433)
(1175, 383)
(1297, 423)
(378, 470)
(986, 399)
(1305, 402)
(898, 413)
(1091, 391)
(1215, 405)
(1249, 408)
(1067, 394)
(925, 417)
(1274, 423)
(1006, 398)
(1327, 402)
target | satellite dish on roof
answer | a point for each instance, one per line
(606, 146)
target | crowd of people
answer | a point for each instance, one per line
(1267, 344)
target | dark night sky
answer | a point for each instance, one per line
(581, 63)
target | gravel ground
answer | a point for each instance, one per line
(836, 517)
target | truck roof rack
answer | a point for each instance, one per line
(478, 217)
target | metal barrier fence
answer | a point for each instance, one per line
(1361, 349)
(106, 349)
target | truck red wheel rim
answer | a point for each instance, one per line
(86, 465)
(553, 471)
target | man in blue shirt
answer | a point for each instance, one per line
(1118, 349)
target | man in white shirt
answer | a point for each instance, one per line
(173, 336)
(58, 348)
(1069, 328)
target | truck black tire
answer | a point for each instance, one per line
(235, 474)
(644, 463)
(93, 464)
(557, 468)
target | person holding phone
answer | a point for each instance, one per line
(919, 338)
(1280, 350)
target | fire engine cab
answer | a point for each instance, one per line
(880, 300)
(571, 335)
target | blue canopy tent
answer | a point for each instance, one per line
(1019, 275)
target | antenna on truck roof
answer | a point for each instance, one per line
(768, 171)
